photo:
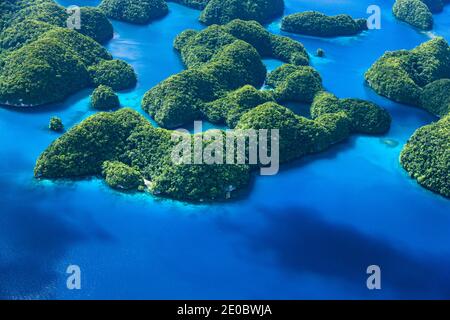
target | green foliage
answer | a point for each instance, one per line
(41, 72)
(180, 98)
(88, 51)
(96, 25)
(219, 59)
(295, 83)
(232, 106)
(318, 24)
(49, 69)
(414, 12)
(116, 74)
(420, 77)
(365, 117)
(436, 97)
(97, 144)
(82, 150)
(426, 156)
(268, 44)
(298, 135)
(134, 11)
(401, 75)
(22, 33)
(45, 11)
(201, 182)
(121, 176)
(224, 11)
(56, 124)
(104, 98)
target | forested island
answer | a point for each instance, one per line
(42, 61)
(418, 13)
(222, 83)
(315, 23)
(420, 77)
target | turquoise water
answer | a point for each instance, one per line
(309, 232)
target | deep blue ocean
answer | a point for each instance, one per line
(309, 232)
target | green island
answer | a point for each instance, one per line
(418, 13)
(135, 11)
(104, 98)
(426, 156)
(223, 83)
(56, 124)
(315, 23)
(42, 61)
(421, 77)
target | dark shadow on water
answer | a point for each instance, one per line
(328, 154)
(33, 240)
(63, 105)
(302, 242)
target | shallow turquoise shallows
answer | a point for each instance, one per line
(309, 232)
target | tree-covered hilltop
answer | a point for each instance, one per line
(104, 98)
(402, 75)
(418, 13)
(224, 11)
(426, 156)
(230, 108)
(294, 83)
(220, 59)
(24, 21)
(365, 117)
(315, 23)
(135, 11)
(421, 77)
(414, 12)
(42, 61)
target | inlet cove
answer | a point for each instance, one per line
(352, 116)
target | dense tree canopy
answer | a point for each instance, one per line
(418, 13)
(42, 61)
(134, 11)
(104, 98)
(220, 59)
(56, 124)
(295, 83)
(414, 12)
(318, 24)
(401, 75)
(426, 156)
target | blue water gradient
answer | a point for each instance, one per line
(309, 232)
